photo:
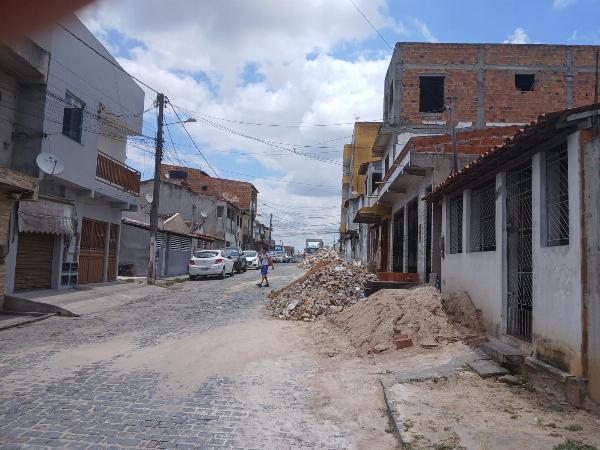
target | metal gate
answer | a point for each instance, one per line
(111, 274)
(399, 241)
(519, 257)
(413, 235)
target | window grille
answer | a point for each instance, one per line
(456, 213)
(557, 196)
(483, 219)
(185, 244)
(174, 242)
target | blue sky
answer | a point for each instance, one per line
(297, 63)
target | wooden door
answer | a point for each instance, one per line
(92, 251)
(113, 244)
(35, 253)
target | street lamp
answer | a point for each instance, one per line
(190, 120)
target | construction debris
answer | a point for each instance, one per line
(323, 254)
(328, 287)
(400, 318)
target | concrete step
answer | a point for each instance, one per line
(487, 368)
(503, 353)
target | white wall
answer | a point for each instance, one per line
(556, 324)
(477, 273)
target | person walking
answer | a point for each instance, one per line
(265, 262)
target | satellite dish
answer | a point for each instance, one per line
(49, 163)
(204, 214)
(149, 197)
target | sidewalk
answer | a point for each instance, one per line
(85, 299)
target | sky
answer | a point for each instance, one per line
(275, 85)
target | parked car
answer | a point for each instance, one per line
(252, 259)
(239, 260)
(210, 263)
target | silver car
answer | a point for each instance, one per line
(206, 263)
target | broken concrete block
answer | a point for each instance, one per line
(487, 368)
(511, 379)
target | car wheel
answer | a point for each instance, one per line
(222, 276)
(193, 277)
(232, 271)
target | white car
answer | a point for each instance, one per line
(252, 259)
(206, 263)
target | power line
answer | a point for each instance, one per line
(372, 26)
(193, 142)
(107, 59)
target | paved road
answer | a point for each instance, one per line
(194, 366)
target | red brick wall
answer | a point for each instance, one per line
(217, 187)
(502, 102)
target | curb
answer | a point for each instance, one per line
(25, 321)
(393, 414)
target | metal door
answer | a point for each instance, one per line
(518, 252)
(92, 251)
(399, 241)
(413, 235)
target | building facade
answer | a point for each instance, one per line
(62, 101)
(239, 193)
(520, 231)
(431, 89)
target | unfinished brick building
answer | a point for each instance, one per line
(241, 193)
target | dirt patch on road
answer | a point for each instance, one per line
(466, 411)
(420, 313)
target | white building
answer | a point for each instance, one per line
(63, 96)
(520, 233)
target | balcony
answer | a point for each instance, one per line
(114, 172)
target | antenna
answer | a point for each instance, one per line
(49, 163)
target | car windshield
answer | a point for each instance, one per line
(250, 254)
(206, 254)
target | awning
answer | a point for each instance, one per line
(46, 216)
(372, 214)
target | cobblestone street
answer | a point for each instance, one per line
(198, 366)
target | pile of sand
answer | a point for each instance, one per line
(326, 288)
(420, 313)
(323, 254)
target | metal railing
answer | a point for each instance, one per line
(114, 172)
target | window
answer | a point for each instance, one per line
(228, 213)
(431, 94)
(456, 213)
(557, 196)
(73, 117)
(178, 175)
(205, 187)
(375, 180)
(524, 81)
(219, 211)
(483, 219)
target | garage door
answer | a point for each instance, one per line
(34, 261)
(91, 251)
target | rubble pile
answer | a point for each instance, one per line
(326, 288)
(401, 318)
(323, 254)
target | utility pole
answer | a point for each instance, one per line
(453, 134)
(270, 230)
(160, 100)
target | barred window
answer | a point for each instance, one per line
(456, 215)
(483, 219)
(557, 196)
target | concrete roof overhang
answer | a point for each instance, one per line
(372, 214)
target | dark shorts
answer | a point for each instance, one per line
(264, 270)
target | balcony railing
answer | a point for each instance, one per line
(115, 173)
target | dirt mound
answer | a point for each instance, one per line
(323, 254)
(326, 288)
(419, 313)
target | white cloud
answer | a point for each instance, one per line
(196, 53)
(424, 30)
(519, 36)
(561, 4)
